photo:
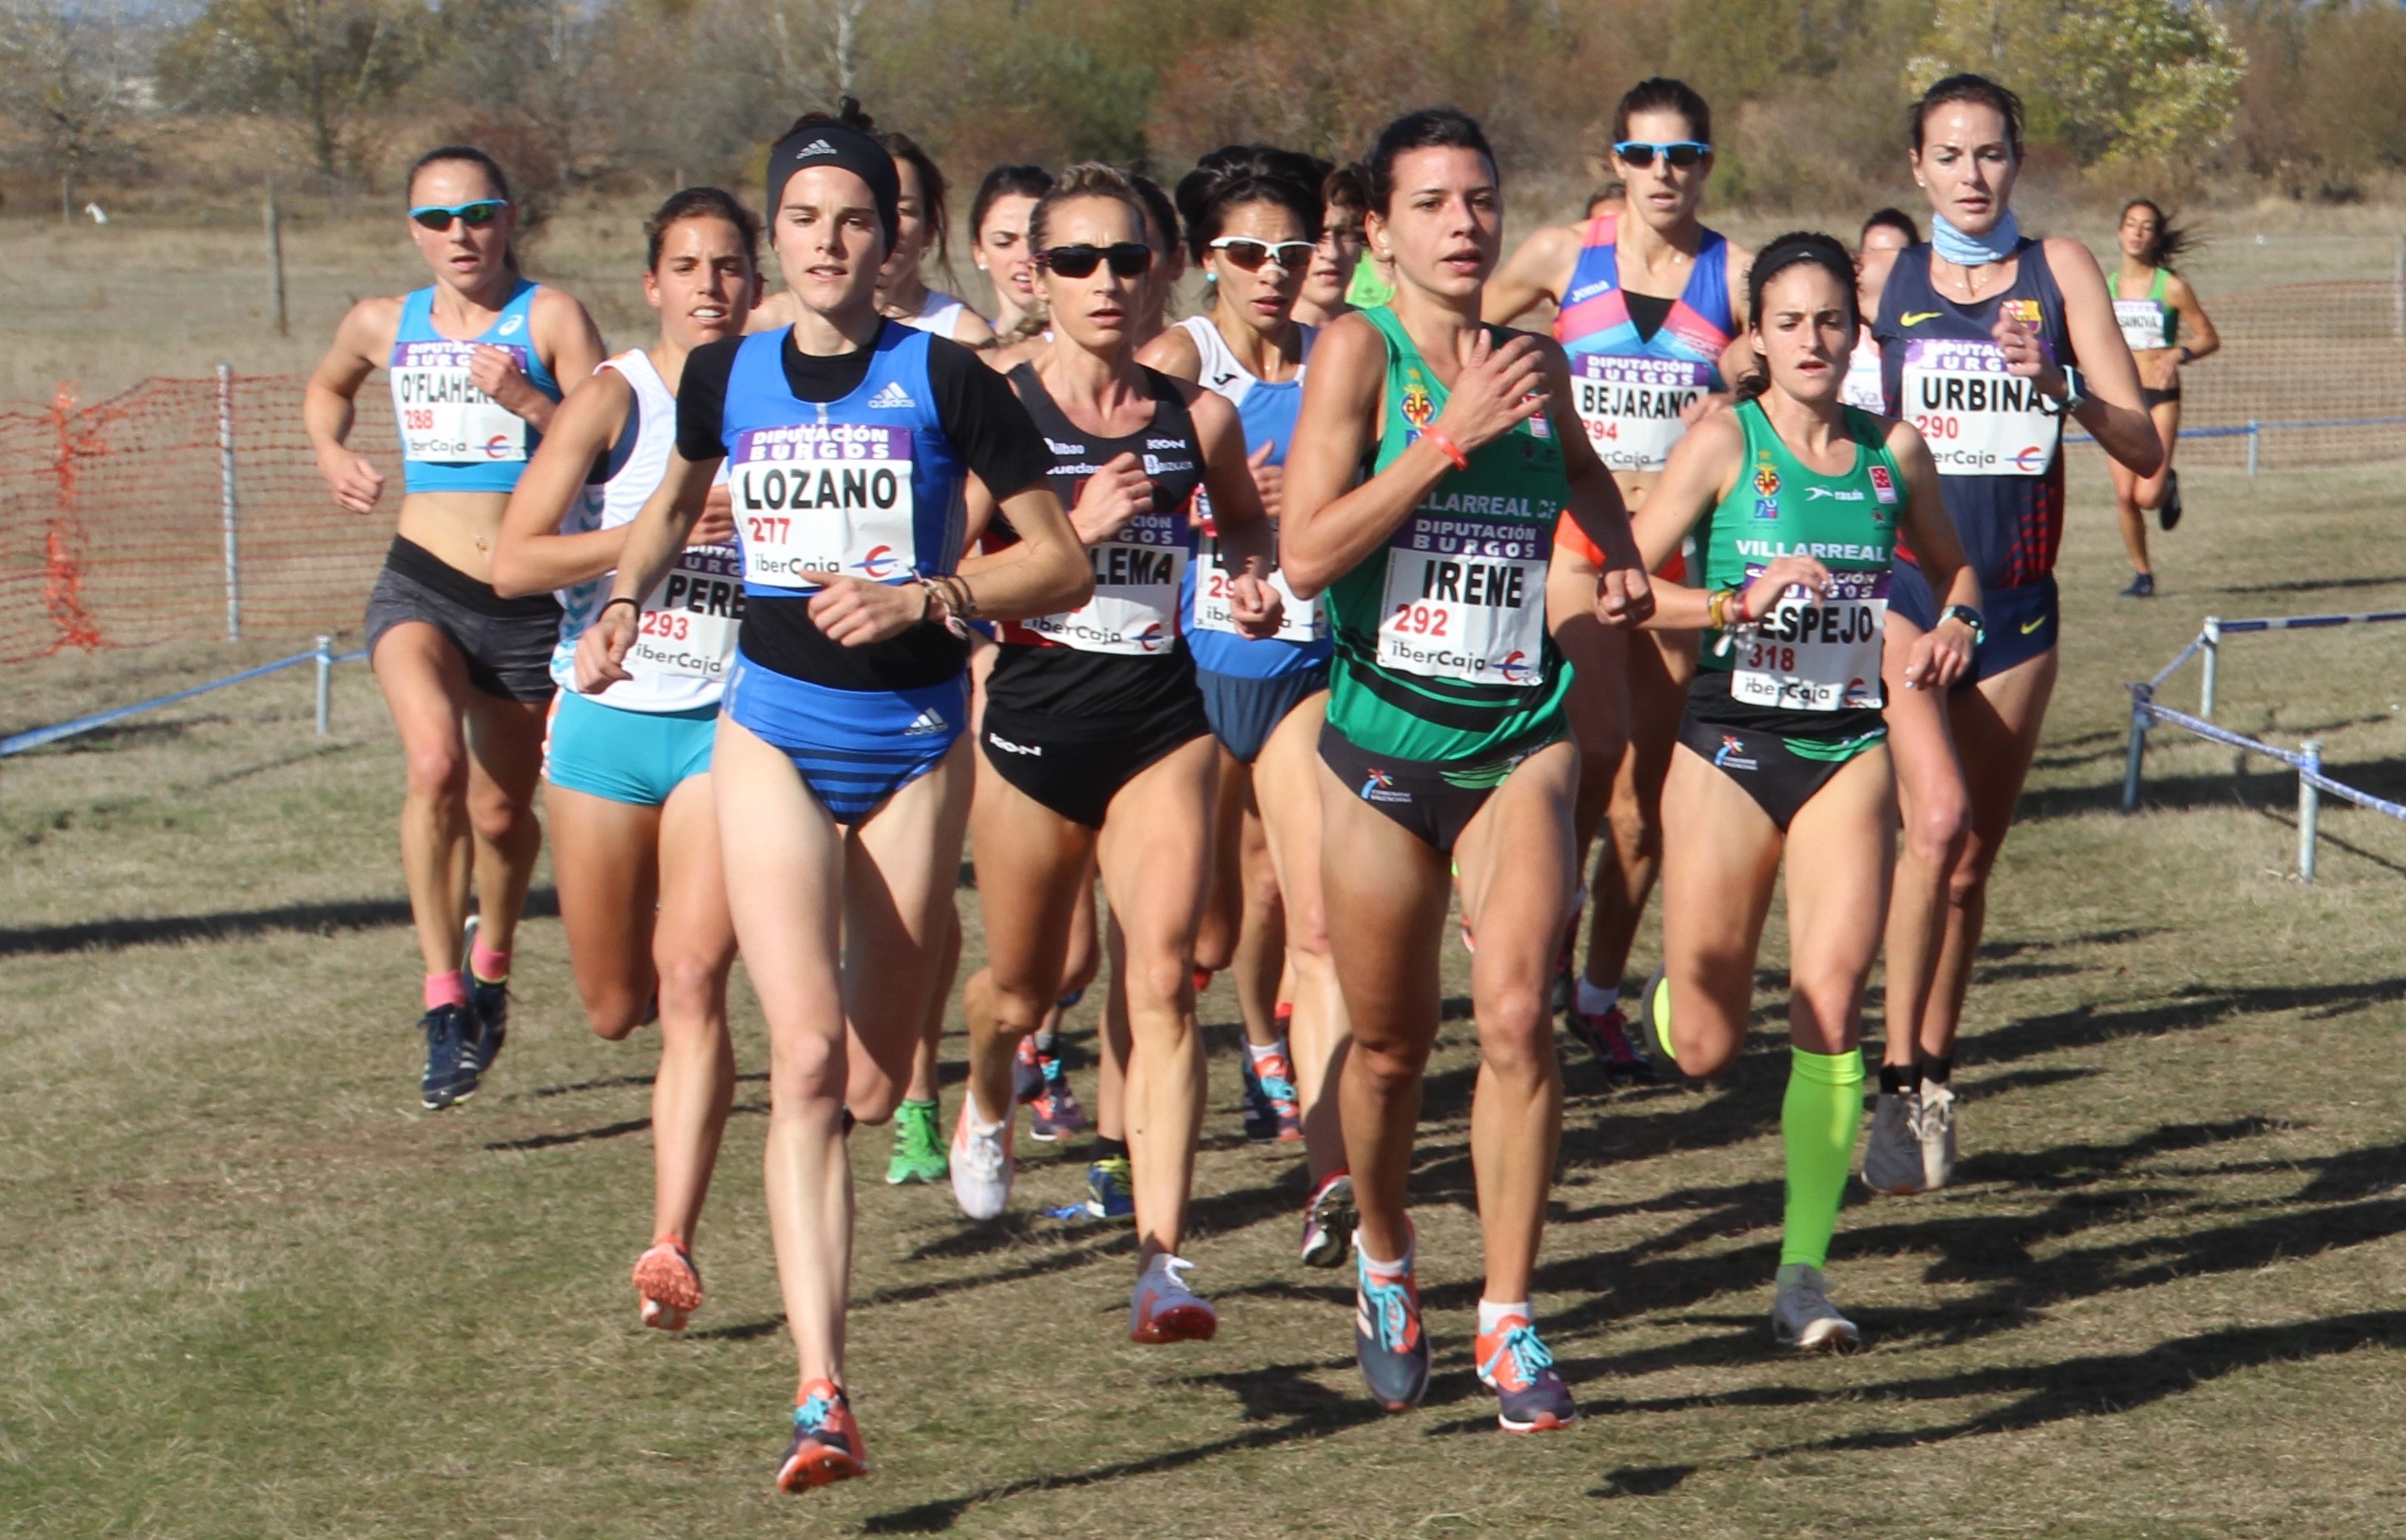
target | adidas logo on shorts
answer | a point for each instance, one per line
(893, 397)
(929, 721)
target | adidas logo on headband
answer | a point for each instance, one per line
(816, 147)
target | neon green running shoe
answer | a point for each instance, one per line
(918, 1147)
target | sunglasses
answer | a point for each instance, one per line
(1250, 254)
(475, 216)
(1681, 153)
(1127, 260)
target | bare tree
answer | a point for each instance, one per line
(324, 65)
(63, 82)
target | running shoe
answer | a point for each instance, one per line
(1110, 1189)
(1388, 1341)
(827, 1441)
(980, 1163)
(1654, 1022)
(1606, 1036)
(918, 1145)
(1328, 1221)
(1273, 1115)
(489, 1006)
(1515, 1364)
(1056, 1112)
(1027, 1071)
(668, 1285)
(2167, 512)
(1803, 1317)
(1892, 1158)
(1163, 1309)
(1938, 1115)
(451, 1073)
(2143, 586)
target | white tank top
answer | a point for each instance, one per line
(1864, 388)
(938, 313)
(685, 635)
(1222, 376)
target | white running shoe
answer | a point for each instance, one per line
(1892, 1164)
(1938, 1113)
(980, 1163)
(1803, 1317)
(1162, 1309)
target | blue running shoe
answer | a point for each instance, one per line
(489, 1006)
(827, 1441)
(451, 1073)
(1515, 1364)
(1388, 1341)
(1110, 1189)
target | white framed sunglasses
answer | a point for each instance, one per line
(1249, 254)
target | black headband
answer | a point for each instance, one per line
(835, 145)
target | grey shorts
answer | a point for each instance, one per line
(507, 643)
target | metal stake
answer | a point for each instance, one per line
(325, 682)
(2309, 804)
(226, 502)
(2255, 437)
(2208, 668)
(2139, 724)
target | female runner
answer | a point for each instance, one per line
(840, 770)
(1797, 501)
(1446, 735)
(2150, 319)
(1343, 203)
(1252, 227)
(998, 246)
(1888, 232)
(476, 362)
(1097, 747)
(632, 826)
(1988, 342)
(1648, 304)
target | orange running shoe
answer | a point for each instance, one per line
(1515, 1364)
(827, 1441)
(668, 1285)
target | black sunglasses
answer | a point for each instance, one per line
(1681, 153)
(1129, 260)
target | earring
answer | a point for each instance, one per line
(1210, 277)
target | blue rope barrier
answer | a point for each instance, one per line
(2253, 429)
(2308, 766)
(34, 738)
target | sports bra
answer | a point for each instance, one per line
(2151, 322)
(1633, 386)
(454, 438)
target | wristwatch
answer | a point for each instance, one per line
(1968, 616)
(2072, 396)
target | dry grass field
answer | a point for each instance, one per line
(254, 1292)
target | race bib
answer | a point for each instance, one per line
(1137, 574)
(1633, 407)
(1864, 389)
(1814, 657)
(688, 626)
(1979, 418)
(2142, 322)
(1301, 623)
(812, 500)
(443, 416)
(1466, 600)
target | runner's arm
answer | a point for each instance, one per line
(1535, 274)
(1942, 656)
(2204, 340)
(1704, 465)
(328, 402)
(1045, 571)
(1174, 354)
(531, 554)
(2110, 406)
(1624, 592)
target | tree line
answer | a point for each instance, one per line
(2302, 98)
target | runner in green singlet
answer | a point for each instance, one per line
(1446, 735)
(2150, 302)
(1797, 501)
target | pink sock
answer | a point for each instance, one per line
(445, 989)
(491, 966)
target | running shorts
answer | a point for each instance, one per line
(1780, 773)
(1244, 712)
(507, 643)
(1434, 800)
(1076, 765)
(636, 757)
(2021, 622)
(854, 748)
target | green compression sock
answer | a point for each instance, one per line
(1818, 1119)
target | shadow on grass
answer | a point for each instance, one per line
(320, 919)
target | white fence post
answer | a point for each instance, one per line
(226, 502)
(325, 682)
(2309, 804)
(2209, 667)
(2255, 439)
(2139, 724)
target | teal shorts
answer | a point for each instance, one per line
(626, 757)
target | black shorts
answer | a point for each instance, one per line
(507, 643)
(1434, 799)
(2153, 399)
(1075, 765)
(1245, 711)
(2021, 622)
(1780, 779)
